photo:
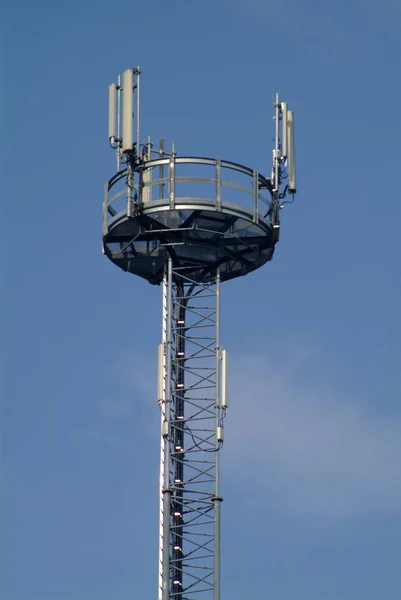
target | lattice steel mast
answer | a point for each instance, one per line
(190, 243)
(190, 370)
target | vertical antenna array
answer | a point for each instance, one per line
(284, 150)
(112, 112)
(128, 111)
(121, 123)
(292, 186)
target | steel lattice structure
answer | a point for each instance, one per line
(189, 395)
(188, 224)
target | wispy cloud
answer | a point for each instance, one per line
(128, 406)
(300, 442)
(310, 449)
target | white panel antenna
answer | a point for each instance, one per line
(292, 184)
(128, 86)
(284, 112)
(112, 112)
(147, 177)
(160, 375)
(224, 387)
(147, 189)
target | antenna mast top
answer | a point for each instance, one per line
(235, 229)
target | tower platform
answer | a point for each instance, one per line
(205, 213)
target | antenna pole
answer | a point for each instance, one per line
(118, 150)
(277, 149)
(138, 107)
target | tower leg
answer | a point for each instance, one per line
(166, 429)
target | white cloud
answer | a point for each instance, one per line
(309, 449)
(294, 443)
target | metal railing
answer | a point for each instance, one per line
(252, 196)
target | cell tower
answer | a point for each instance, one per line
(188, 224)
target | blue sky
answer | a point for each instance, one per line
(311, 466)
